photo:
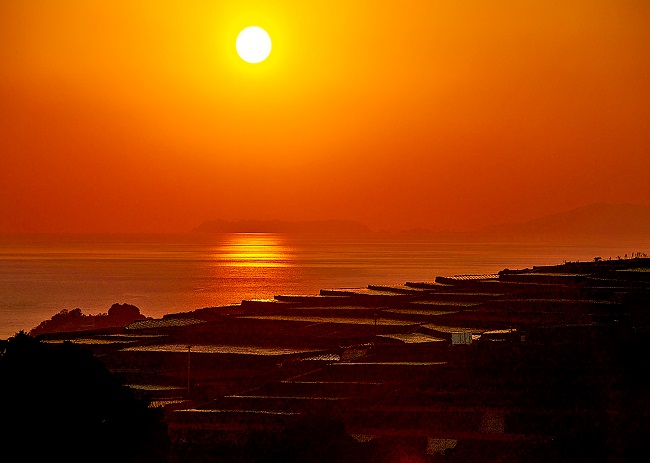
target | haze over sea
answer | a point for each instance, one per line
(43, 274)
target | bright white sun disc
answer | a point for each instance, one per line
(253, 44)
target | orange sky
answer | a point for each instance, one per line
(139, 116)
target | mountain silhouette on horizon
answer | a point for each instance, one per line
(594, 221)
(280, 226)
(597, 220)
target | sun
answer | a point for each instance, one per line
(253, 44)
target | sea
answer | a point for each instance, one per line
(42, 274)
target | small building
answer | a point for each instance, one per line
(461, 337)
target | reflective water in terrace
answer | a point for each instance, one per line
(42, 274)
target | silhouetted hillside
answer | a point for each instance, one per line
(596, 221)
(279, 226)
(59, 403)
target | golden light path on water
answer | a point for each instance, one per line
(252, 250)
(41, 275)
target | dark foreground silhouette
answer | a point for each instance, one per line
(59, 403)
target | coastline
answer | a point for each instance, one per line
(518, 364)
(164, 274)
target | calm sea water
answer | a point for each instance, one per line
(42, 274)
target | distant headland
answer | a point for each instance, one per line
(118, 316)
(597, 221)
(280, 226)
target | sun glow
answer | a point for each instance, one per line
(263, 250)
(253, 44)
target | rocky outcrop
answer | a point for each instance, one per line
(118, 316)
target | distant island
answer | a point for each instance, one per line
(596, 221)
(593, 222)
(280, 226)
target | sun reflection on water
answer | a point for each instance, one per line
(253, 250)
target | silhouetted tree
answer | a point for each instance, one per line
(60, 403)
(119, 315)
(125, 313)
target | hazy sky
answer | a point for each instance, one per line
(140, 116)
